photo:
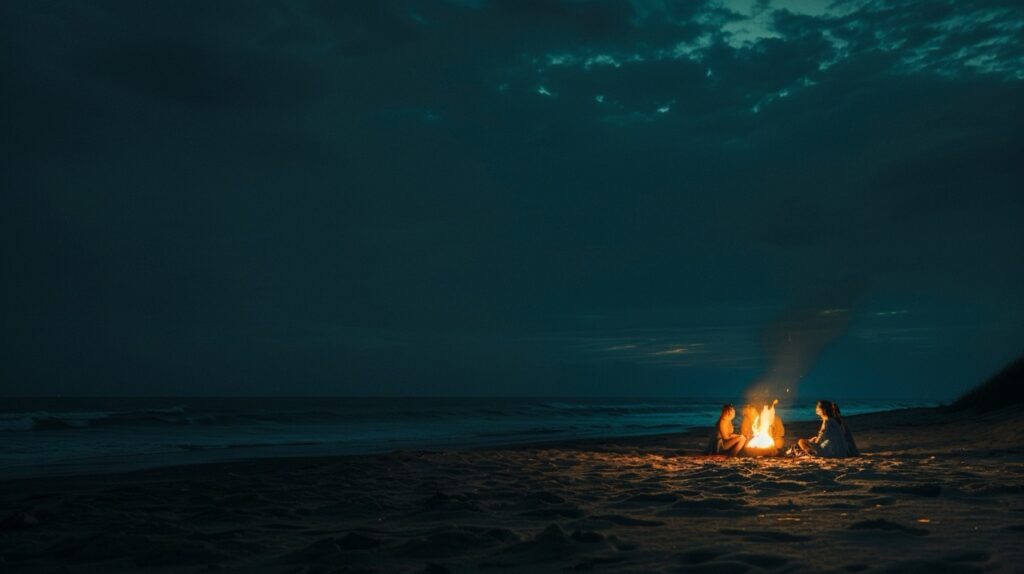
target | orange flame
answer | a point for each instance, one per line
(762, 428)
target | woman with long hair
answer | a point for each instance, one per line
(831, 439)
(851, 446)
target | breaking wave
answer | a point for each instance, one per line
(46, 420)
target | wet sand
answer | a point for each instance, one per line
(934, 492)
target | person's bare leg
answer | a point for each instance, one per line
(730, 442)
(739, 447)
(734, 445)
(806, 446)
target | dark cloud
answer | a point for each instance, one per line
(506, 197)
(571, 21)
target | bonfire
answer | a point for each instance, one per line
(763, 440)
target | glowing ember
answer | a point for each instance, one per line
(762, 428)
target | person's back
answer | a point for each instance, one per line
(832, 440)
(747, 426)
(714, 443)
(778, 432)
(851, 446)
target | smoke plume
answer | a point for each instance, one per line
(793, 343)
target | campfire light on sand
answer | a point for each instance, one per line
(762, 428)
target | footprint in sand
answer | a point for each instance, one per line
(765, 535)
(443, 544)
(554, 512)
(716, 568)
(926, 490)
(330, 549)
(653, 498)
(969, 556)
(881, 524)
(764, 561)
(627, 520)
(703, 506)
(551, 543)
(699, 555)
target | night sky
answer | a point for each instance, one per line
(516, 197)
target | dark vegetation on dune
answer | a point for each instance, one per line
(1003, 389)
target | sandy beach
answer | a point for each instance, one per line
(934, 492)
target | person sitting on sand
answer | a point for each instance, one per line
(778, 431)
(747, 426)
(725, 440)
(831, 439)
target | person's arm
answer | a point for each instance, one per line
(821, 433)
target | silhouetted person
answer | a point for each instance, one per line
(725, 440)
(831, 439)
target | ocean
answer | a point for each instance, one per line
(44, 436)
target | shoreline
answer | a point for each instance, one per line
(935, 491)
(313, 451)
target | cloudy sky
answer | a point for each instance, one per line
(510, 197)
